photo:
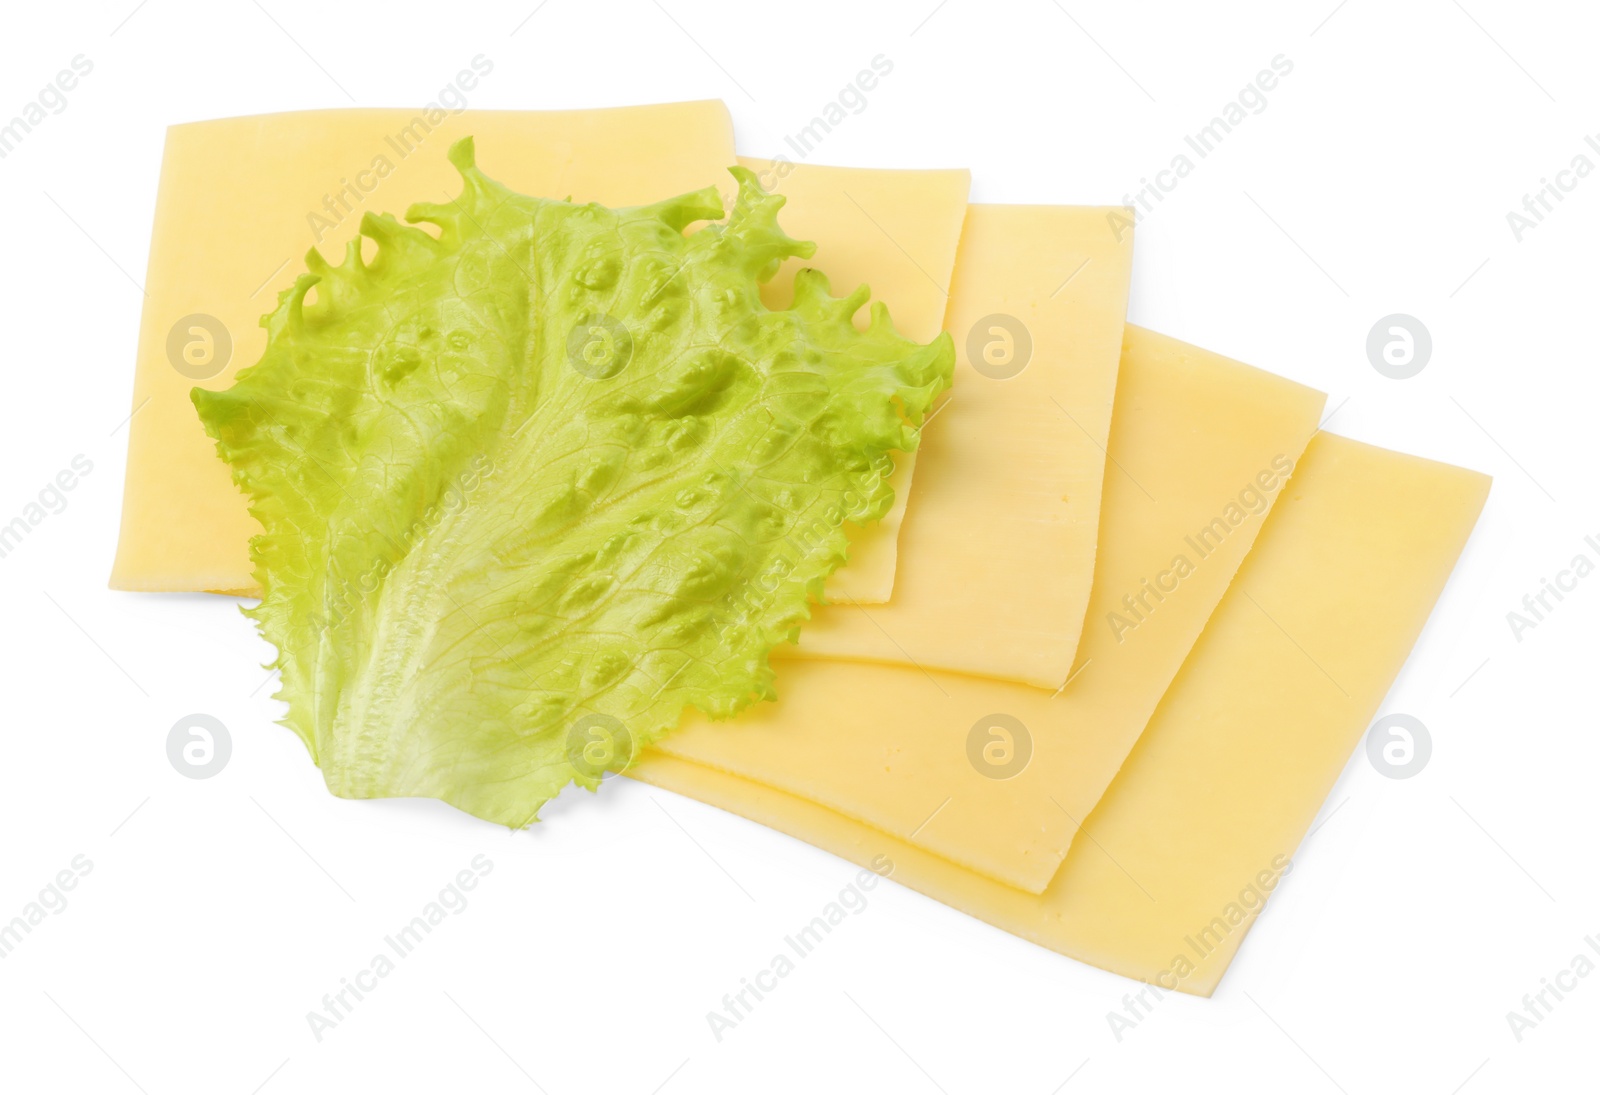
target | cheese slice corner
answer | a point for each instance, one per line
(895, 231)
(998, 546)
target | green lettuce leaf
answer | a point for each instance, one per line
(532, 487)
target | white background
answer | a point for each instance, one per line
(1377, 180)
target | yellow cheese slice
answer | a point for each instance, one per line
(997, 554)
(1205, 817)
(897, 232)
(997, 776)
(241, 200)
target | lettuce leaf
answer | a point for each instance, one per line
(532, 487)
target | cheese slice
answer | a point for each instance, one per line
(997, 776)
(1205, 817)
(897, 232)
(997, 553)
(240, 202)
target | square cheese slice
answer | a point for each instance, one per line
(997, 553)
(240, 202)
(996, 776)
(1205, 818)
(893, 230)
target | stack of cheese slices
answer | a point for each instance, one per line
(1091, 680)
